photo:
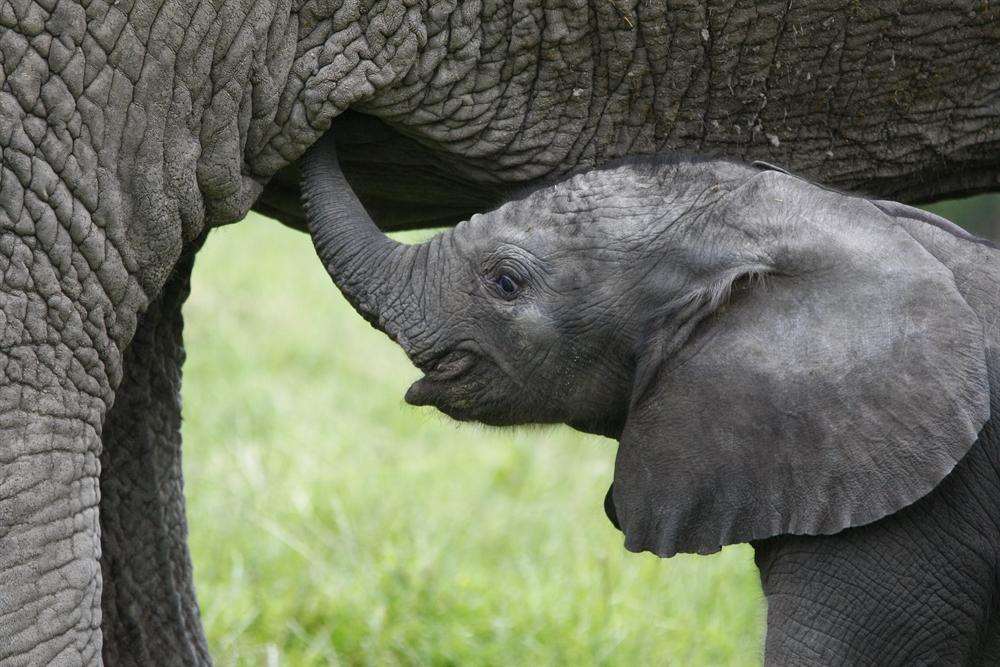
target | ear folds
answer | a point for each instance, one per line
(840, 391)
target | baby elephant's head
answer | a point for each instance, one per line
(532, 313)
(773, 356)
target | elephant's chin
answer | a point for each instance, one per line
(424, 391)
(444, 395)
(462, 385)
(440, 385)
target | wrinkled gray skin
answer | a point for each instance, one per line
(775, 359)
(131, 128)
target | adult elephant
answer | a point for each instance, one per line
(131, 128)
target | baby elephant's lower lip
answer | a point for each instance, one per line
(420, 392)
(451, 366)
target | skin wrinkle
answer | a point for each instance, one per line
(595, 53)
(839, 621)
(613, 91)
(128, 130)
(947, 595)
(432, 257)
(693, 73)
(946, 599)
(532, 86)
(833, 587)
(961, 511)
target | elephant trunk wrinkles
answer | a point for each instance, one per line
(380, 277)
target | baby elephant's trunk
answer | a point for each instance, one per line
(373, 271)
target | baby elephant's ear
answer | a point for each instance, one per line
(843, 388)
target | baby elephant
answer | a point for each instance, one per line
(782, 364)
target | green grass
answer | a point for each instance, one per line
(333, 524)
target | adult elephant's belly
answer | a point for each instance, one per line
(897, 100)
(401, 183)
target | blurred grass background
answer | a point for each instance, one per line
(333, 524)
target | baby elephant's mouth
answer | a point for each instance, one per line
(431, 388)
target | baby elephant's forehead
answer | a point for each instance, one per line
(637, 186)
(623, 200)
(593, 209)
(602, 191)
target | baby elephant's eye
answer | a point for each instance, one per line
(507, 285)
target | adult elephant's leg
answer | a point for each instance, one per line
(50, 419)
(150, 611)
(67, 304)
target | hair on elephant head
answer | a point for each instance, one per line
(773, 357)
